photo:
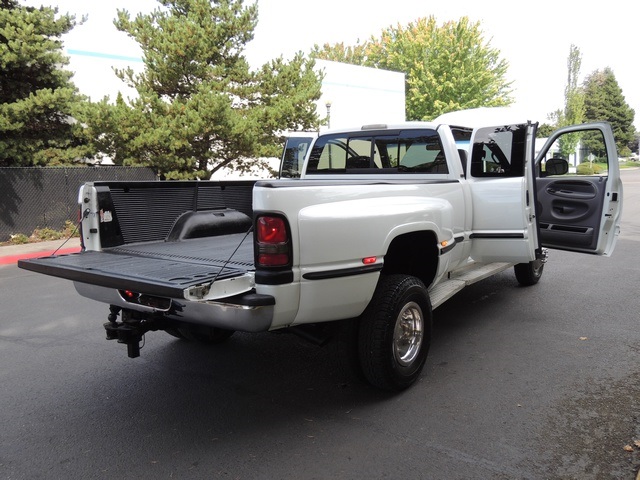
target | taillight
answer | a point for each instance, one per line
(273, 248)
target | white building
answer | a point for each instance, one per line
(354, 95)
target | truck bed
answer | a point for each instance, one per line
(159, 268)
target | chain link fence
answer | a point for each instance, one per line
(33, 198)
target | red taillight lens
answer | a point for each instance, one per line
(273, 259)
(272, 236)
(272, 230)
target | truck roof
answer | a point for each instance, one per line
(383, 126)
(471, 118)
(485, 117)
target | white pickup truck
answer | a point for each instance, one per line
(367, 231)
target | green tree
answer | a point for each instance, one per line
(604, 101)
(199, 106)
(37, 98)
(448, 67)
(574, 109)
(544, 130)
(339, 52)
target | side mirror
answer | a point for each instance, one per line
(556, 166)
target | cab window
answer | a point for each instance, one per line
(410, 151)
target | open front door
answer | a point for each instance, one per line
(578, 190)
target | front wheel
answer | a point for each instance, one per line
(395, 333)
(529, 274)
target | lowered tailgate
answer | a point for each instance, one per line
(165, 269)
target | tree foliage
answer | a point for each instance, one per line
(199, 106)
(37, 98)
(447, 67)
(574, 110)
(545, 130)
(604, 101)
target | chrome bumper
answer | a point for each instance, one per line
(231, 316)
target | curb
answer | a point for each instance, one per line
(10, 254)
(12, 259)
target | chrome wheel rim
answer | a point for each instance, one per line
(408, 334)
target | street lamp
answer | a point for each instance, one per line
(328, 105)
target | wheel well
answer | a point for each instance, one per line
(413, 254)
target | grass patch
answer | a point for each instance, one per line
(629, 164)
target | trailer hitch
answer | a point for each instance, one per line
(130, 331)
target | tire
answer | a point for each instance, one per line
(206, 335)
(174, 332)
(529, 274)
(395, 333)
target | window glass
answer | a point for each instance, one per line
(499, 151)
(422, 154)
(359, 153)
(410, 151)
(576, 153)
(293, 156)
(329, 153)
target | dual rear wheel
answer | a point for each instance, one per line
(394, 333)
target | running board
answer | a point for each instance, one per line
(464, 277)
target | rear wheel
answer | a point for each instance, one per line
(529, 274)
(395, 333)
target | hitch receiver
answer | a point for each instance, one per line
(129, 331)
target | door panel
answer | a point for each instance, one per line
(569, 211)
(501, 175)
(579, 210)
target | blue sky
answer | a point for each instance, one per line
(534, 37)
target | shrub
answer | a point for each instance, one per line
(46, 234)
(70, 229)
(587, 168)
(18, 239)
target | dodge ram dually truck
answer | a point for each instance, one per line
(371, 227)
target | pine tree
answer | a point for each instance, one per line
(199, 106)
(604, 101)
(37, 97)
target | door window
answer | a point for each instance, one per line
(499, 151)
(576, 153)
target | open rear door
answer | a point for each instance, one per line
(578, 190)
(501, 179)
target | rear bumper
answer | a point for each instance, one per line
(244, 313)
